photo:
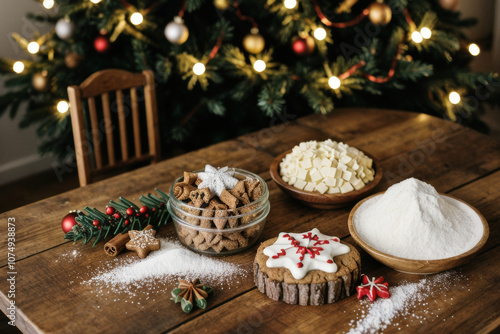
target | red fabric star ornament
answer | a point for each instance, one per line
(373, 289)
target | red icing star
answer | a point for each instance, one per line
(373, 289)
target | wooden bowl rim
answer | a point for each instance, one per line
(418, 263)
(332, 198)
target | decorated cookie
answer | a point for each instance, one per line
(307, 268)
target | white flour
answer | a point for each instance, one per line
(411, 220)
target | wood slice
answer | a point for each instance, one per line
(316, 288)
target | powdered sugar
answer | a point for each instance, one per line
(411, 220)
(404, 300)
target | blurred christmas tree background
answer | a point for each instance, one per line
(226, 67)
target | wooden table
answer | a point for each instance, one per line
(454, 159)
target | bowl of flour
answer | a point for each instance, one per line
(414, 229)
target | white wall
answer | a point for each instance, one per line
(18, 154)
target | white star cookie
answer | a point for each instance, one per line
(217, 179)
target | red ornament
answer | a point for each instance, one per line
(144, 209)
(373, 289)
(96, 223)
(68, 222)
(110, 210)
(303, 46)
(117, 215)
(130, 211)
(101, 44)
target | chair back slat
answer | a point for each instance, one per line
(106, 84)
(108, 128)
(122, 125)
(95, 132)
(135, 121)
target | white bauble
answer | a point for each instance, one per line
(176, 32)
(64, 28)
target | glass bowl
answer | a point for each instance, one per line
(220, 232)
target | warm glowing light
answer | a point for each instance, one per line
(416, 37)
(474, 49)
(426, 32)
(95, 1)
(454, 97)
(48, 4)
(18, 66)
(320, 34)
(259, 65)
(199, 68)
(62, 106)
(136, 18)
(33, 47)
(334, 82)
(290, 4)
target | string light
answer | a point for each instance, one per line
(95, 1)
(33, 47)
(334, 82)
(48, 4)
(416, 37)
(18, 67)
(454, 97)
(136, 18)
(474, 49)
(259, 65)
(62, 106)
(199, 68)
(319, 34)
(290, 4)
(426, 32)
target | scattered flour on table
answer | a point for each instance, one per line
(69, 256)
(409, 300)
(411, 220)
(170, 263)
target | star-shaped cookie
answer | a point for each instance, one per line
(217, 179)
(143, 242)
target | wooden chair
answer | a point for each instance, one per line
(90, 157)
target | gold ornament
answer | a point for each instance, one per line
(72, 60)
(41, 81)
(254, 42)
(221, 4)
(379, 13)
(449, 4)
(176, 31)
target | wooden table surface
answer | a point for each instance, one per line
(453, 159)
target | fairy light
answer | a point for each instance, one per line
(259, 65)
(319, 34)
(33, 47)
(290, 4)
(334, 82)
(426, 33)
(18, 67)
(199, 68)
(416, 37)
(95, 1)
(62, 106)
(136, 18)
(48, 4)
(454, 97)
(474, 49)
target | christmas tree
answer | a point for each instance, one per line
(234, 64)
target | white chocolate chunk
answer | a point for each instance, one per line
(330, 181)
(302, 174)
(316, 176)
(346, 188)
(333, 190)
(300, 184)
(358, 184)
(322, 188)
(306, 164)
(310, 186)
(317, 162)
(326, 162)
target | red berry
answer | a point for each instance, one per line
(130, 211)
(126, 222)
(144, 209)
(117, 215)
(110, 210)
(96, 223)
(154, 209)
(137, 214)
(147, 216)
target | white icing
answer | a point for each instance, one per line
(287, 252)
(217, 179)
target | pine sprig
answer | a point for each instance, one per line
(125, 216)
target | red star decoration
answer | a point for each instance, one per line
(373, 288)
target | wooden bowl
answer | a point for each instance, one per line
(324, 201)
(419, 267)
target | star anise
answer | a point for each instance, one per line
(186, 292)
